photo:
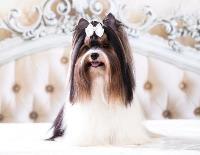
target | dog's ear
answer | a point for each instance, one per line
(79, 30)
(111, 21)
(82, 22)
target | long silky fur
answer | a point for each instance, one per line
(82, 83)
(118, 39)
(120, 82)
(78, 40)
(115, 90)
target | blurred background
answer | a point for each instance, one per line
(33, 87)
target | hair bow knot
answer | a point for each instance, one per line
(98, 30)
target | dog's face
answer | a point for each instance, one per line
(101, 50)
(94, 56)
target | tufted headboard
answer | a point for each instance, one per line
(34, 62)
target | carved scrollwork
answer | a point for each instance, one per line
(49, 15)
(182, 26)
(60, 16)
(66, 21)
(64, 7)
(96, 7)
(48, 21)
(27, 32)
(144, 25)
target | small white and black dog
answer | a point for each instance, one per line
(101, 107)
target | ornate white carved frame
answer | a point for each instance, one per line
(54, 28)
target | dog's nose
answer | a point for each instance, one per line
(94, 56)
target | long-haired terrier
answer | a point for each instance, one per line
(101, 107)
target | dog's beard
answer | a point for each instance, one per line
(106, 67)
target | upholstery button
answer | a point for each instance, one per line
(182, 85)
(167, 114)
(148, 85)
(33, 115)
(1, 117)
(49, 88)
(16, 88)
(64, 60)
(197, 111)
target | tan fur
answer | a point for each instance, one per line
(81, 82)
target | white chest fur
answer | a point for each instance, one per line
(100, 123)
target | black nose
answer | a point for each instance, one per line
(94, 56)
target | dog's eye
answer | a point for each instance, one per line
(83, 49)
(106, 46)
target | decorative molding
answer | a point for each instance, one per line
(48, 21)
(57, 18)
(155, 47)
(66, 13)
(29, 32)
(182, 26)
(24, 48)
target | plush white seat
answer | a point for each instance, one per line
(181, 138)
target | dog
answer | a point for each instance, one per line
(101, 106)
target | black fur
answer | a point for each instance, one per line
(126, 69)
(78, 40)
(111, 25)
(58, 131)
(74, 58)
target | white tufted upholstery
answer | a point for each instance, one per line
(170, 89)
(32, 89)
